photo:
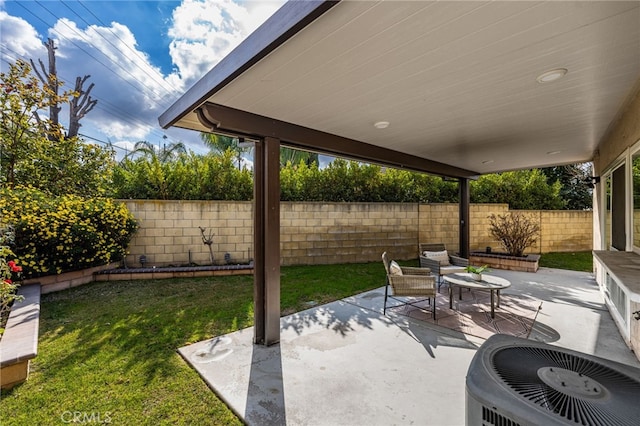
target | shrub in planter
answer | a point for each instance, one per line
(66, 233)
(515, 231)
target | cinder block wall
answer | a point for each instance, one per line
(322, 233)
(439, 224)
(560, 230)
(479, 236)
(565, 230)
(170, 231)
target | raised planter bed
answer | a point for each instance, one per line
(19, 344)
(528, 263)
(57, 282)
(112, 272)
(148, 273)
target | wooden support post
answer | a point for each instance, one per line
(267, 242)
(464, 217)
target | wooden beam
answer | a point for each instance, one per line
(267, 242)
(223, 119)
(463, 236)
(292, 17)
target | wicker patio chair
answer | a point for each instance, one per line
(409, 282)
(439, 261)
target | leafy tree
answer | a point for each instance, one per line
(523, 190)
(34, 151)
(352, 181)
(164, 154)
(220, 144)
(295, 156)
(69, 166)
(192, 176)
(21, 132)
(574, 187)
(301, 183)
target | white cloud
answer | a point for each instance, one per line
(131, 91)
(18, 36)
(205, 31)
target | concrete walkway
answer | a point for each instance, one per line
(345, 363)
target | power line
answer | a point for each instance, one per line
(167, 88)
(137, 88)
(87, 53)
(103, 104)
(96, 59)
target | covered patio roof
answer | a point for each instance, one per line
(448, 88)
(455, 81)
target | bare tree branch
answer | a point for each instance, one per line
(80, 105)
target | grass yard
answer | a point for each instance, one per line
(107, 350)
(575, 261)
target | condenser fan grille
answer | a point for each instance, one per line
(574, 388)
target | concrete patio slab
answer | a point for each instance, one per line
(345, 363)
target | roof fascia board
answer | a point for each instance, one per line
(292, 17)
(227, 120)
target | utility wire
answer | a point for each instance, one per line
(103, 104)
(138, 88)
(88, 53)
(162, 82)
(108, 107)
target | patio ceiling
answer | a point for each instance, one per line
(456, 81)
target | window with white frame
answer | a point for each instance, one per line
(615, 235)
(621, 202)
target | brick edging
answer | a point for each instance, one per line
(58, 282)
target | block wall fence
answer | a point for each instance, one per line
(324, 233)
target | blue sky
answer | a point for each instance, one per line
(141, 55)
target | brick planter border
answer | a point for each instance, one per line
(528, 263)
(172, 272)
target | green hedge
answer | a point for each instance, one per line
(65, 233)
(187, 177)
(216, 177)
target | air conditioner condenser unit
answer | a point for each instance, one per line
(518, 382)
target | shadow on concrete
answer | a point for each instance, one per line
(346, 363)
(265, 403)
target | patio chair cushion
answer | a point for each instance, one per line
(451, 269)
(441, 256)
(394, 268)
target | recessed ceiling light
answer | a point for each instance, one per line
(381, 124)
(552, 75)
(553, 152)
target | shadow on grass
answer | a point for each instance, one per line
(123, 327)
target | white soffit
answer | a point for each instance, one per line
(455, 80)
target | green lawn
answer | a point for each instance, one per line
(107, 350)
(575, 261)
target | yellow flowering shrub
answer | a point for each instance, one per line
(65, 233)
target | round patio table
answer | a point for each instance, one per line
(489, 282)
